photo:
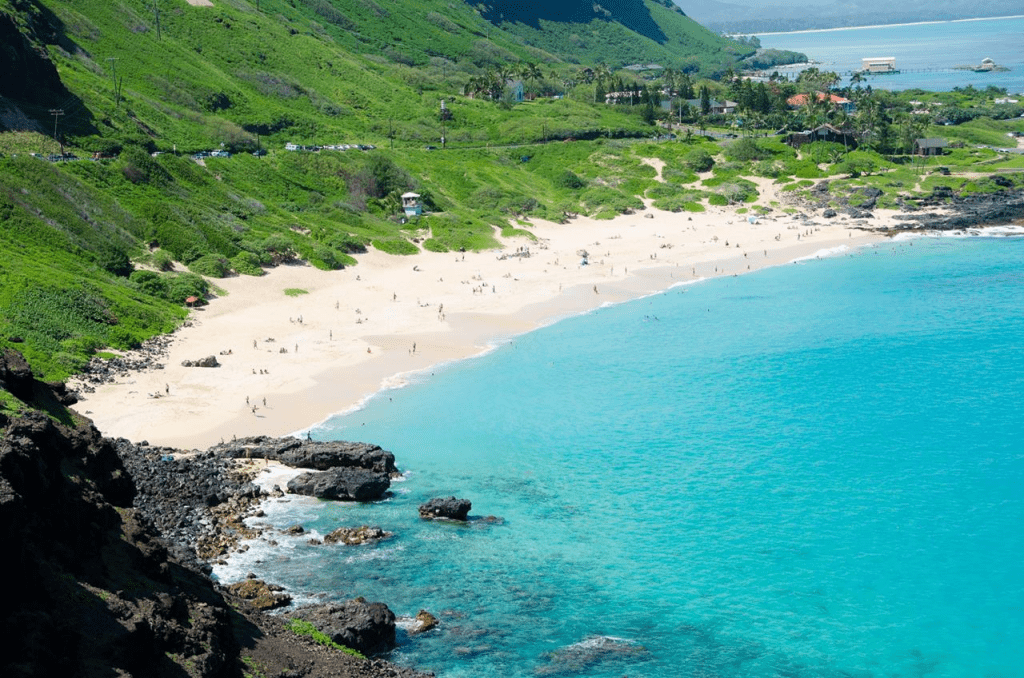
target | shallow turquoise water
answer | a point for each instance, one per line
(814, 470)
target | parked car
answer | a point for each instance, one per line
(260, 152)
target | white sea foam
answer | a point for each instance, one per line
(823, 254)
(1001, 231)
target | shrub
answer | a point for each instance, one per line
(149, 283)
(395, 246)
(114, 260)
(569, 179)
(182, 286)
(163, 261)
(699, 160)
(247, 263)
(211, 265)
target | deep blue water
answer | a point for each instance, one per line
(812, 470)
(917, 47)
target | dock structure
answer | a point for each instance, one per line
(879, 65)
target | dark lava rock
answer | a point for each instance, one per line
(366, 627)
(344, 484)
(310, 454)
(820, 187)
(450, 508)
(98, 590)
(190, 498)
(356, 535)
(829, 213)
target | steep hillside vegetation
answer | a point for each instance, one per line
(104, 250)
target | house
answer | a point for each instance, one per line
(717, 107)
(822, 133)
(836, 101)
(933, 146)
(879, 65)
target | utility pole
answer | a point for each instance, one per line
(113, 75)
(56, 113)
(156, 11)
(391, 133)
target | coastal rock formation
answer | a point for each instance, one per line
(343, 484)
(196, 500)
(317, 455)
(366, 627)
(969, 212)
(356, 535)
(424, 622)
(260, 595)
(208, 361)
(448, 509)
(99, 591)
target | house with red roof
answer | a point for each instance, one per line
(838, 102)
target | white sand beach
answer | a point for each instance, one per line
(287, 363)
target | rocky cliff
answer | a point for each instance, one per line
(93, 589)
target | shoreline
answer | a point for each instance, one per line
(856, 28)
(389, 319)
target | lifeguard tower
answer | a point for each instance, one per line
(412, 204)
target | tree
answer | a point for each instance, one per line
(705, 100)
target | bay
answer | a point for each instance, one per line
(924, 52)
(812, 470)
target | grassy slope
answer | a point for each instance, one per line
(313, 72)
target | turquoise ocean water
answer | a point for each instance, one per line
(917, 47)
(812, 470)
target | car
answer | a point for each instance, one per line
(220, 154)
(430, 148)
(259, 153)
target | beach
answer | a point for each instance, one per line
(289, 362)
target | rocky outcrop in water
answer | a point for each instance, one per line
(341, 484)
(317, 455)
(366, 627)
(447, 509)
(354, 536)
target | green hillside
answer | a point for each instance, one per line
(103, 250)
